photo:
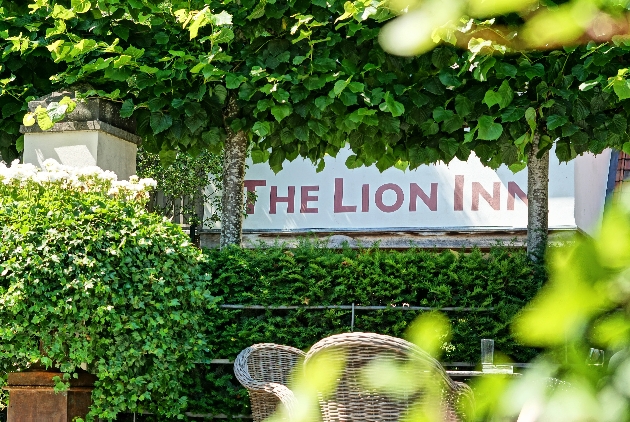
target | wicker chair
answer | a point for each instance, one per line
(264, 369)
(351, 401)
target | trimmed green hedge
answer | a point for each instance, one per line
(502, 279)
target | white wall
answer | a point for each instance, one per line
(591, 179)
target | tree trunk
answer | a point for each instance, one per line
(538, 202)
(232, 198)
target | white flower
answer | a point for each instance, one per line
(148, 183)
(108, 175)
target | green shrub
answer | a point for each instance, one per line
(502, 280)
(98, 280)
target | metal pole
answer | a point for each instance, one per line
(352, 321)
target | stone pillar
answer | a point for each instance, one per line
(32, 397)
(94, 134)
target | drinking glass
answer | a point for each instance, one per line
(595, 357)
(487, 351)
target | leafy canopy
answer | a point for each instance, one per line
(309, 77)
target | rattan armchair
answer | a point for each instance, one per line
(352, 401)
(264, 369)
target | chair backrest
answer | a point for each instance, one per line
(353, 400)
(268, 362)
(261, 364)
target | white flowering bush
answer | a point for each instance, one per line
(97, 279)
(90, 179)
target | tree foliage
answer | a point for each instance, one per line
(310, 76)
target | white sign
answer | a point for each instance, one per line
(461, 195)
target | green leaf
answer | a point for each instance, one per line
(314, 82)
(356, 87)
(505, 70)
(261, 128)
(449, 79)
(452, 124)
(554, 121)
(60, 12)
(513, 114)
(392, 105)
(19, 144)
(443, 57)
(339, 87)
(301, 133)
(9, 109)
(536, 70)
(353, 162)
(148, 69)
(281, 111)
(568, 130)
(212, 137)
(530, 116)
(491, 98)
(258, 11)
(564, 152)
(348, 98)
(618, 124)
(276, 159)
(429, 127)
(488, 129)
(259, 156)
(121, 61)
(43, 120)
(221, 93)
(463, 105)
(193, 123)
(580, 110)
(29, 119)
(319, 128)
(503, 96)
(516, 167)
(160, 122)
(161, 38)
(386, 161)
(449, 146)
(233, 81)
(439, 114)
(167, 157)
(622, 88)
(134, 52)
(81, 6)
(199, 21)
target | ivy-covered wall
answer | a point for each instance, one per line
(503, 280)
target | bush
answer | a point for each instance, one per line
(502, 280)
(98, 280)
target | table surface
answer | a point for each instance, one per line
(466, 374)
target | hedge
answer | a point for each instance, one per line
(502, 280)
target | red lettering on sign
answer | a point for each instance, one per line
(338, 198)
(458, 200)
(365, 198)
(416, 192)
(305, 198)
(400, 197)
(494, 200)
(251, 186)
(515, 190)
(289, 199)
